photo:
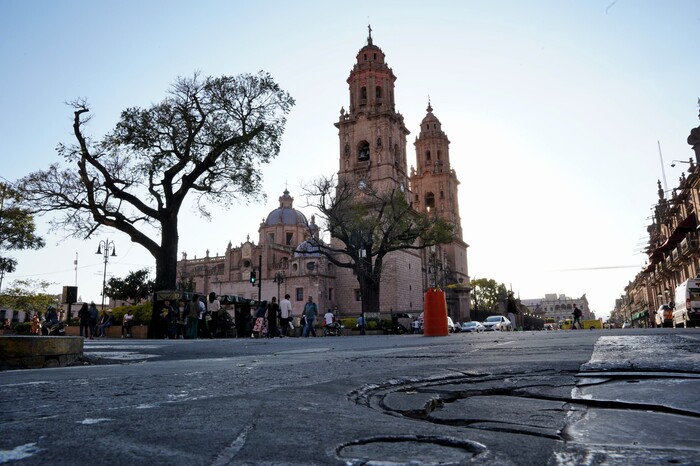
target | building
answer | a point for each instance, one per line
(673, 248)
(558, 307)
(372, 152)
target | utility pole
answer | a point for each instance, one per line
(260, 279)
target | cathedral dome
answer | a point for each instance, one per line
(286, 214)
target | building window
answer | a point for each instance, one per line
(300, 294)
(430, 200)
(330, 294)
(310, 266)
(439, 155)
(378, 92)
(363, 151)
(271, 238)
(442, 195)
(358, 295)
(290, 237)
(427, 155)
(295, 267)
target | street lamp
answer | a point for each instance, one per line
(279, 279)
(103, 248)
(673, 162)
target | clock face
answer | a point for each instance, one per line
(362, 184)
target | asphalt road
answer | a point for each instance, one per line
(522, 398)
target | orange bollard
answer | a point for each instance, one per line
(435, 314)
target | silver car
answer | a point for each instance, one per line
(472, 326)
(497, 323)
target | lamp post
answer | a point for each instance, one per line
(103, 248)
(279, 279)
(674, 162)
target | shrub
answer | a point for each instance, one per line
(22, 328)
(348, 322)
(142, 313)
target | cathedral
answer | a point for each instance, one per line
(372, 151)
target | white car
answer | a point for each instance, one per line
(450, 325)
(497, 323)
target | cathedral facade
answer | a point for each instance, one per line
(372, 151)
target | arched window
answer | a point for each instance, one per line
(378, 92)
(363, 151)
(427, 155)
(363, 95)
(430, 200)
(379, 142)
(439, 155)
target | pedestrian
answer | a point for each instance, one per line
(512, 308)
(328, 318)
(285, 315)
(204, 319)
(83, 318)
(577, 318)
(93, 315)
(181, 319)
(273, 311)
(192, 317)
(215, 312)
(361, 324)
(310, 312)
(260, 326)
(166, 314)
(106, 322)
(36, 324)
(127, 321)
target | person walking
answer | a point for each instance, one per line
(260, 326)
(577, 318)
(310, 312)
(273, 311)
(285, 315)
(83, 317)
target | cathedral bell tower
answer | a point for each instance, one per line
(372, 134)
(434, 186)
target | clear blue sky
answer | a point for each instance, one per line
(553, 110)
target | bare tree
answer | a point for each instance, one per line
(208, 137)
(366, 225)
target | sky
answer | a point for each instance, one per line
(555, 110)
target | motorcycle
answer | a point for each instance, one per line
(333, 330)
(57, 329)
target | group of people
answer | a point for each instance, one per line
(92, 325)
(271, 319)
(193, 319)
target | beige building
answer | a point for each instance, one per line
(673, 249)
(372, 152)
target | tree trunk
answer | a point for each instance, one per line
(166, 259)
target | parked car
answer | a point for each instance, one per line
(664, 315)
(472, 326)
(497, 323)
(450, 325)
